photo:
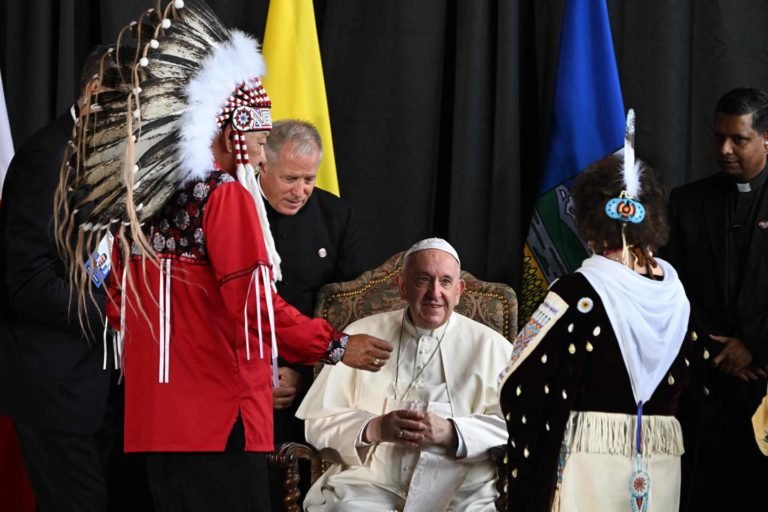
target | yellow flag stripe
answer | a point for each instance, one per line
(294, 79)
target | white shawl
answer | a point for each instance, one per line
(649, 318)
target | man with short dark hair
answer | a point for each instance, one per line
(718, 242)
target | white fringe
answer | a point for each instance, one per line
(271, 315)
(116, 350)
(161, 323)
(258, 311)
(245, 316)
(167, 319)
(255, 282)
(246, 177)
(614, 434)
(104, 341)
(164, 310)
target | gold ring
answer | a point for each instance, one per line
(377, 362)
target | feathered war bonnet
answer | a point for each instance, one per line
(182, 77)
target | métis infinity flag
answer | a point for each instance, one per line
(294, 78)
(587, 124)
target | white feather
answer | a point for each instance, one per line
(632, 168)
(227, 66)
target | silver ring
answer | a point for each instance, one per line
(377, 362)
(400, 434)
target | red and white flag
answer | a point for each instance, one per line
(6, 142)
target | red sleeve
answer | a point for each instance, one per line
(236, 248)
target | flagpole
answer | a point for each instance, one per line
(587, 124)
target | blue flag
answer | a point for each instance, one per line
(587, 124)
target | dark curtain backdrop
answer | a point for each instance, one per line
(440, 109)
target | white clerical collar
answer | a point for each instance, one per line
(753, 184)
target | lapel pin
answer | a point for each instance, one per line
(322, 252)
(763, 224)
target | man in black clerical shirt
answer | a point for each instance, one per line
(315, 235)
(719, 245)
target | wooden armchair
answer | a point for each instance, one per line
(375, 291)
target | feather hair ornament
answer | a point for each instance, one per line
(176, 75)
(627, 207)
(631, 169)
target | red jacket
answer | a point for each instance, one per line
(187, 374)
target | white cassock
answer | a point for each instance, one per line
(452, 371)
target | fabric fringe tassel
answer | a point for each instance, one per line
(261, 275)
(614, 434)
(164, 374)
(246, 177)
(556, 499)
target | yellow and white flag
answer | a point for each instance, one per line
(294, 79)
(6, 142)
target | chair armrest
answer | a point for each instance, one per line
(287, 456)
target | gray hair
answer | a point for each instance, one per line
(303, 135)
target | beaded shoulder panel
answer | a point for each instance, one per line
(177, 230)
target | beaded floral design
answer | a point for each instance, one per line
(177, 231)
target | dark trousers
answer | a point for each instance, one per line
(85, 472)
(233, 480)
(729, 472)
(67, 471)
